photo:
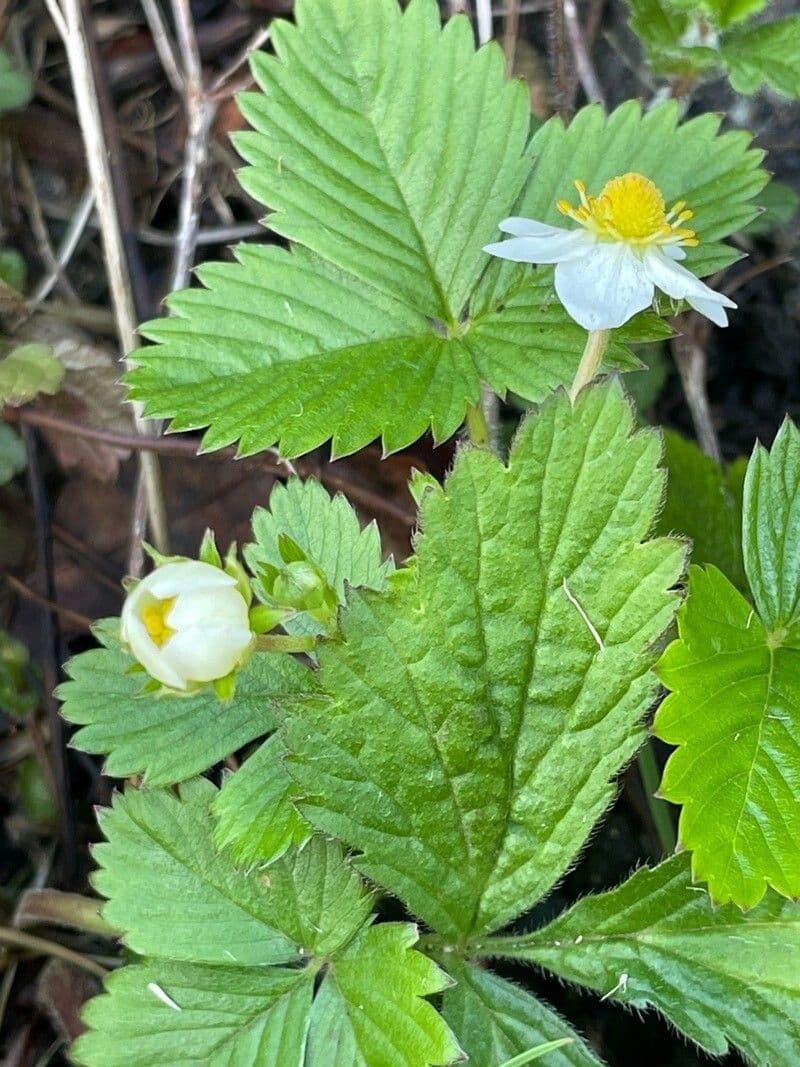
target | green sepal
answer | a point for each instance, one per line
(420, 484)
(264, 618)
(289, 549)
(225, 687)
(236, 570)
(209, 553)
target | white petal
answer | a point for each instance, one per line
(710, 308)
(213, 606)
(205, 653)
(561, 246)
(678, 282)
(152, 658)
(521, 227)
(184, 576)
(605, 287)
(674, 251)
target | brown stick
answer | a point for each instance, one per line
(82, 621)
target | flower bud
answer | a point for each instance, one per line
(187, 624)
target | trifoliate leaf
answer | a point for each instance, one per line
(164, 736)
(704, 503)
(392, 166)
(494, 1021)
(718, 974)
(718, 175)
(170, 891)
(514, 655)
(12, 453)
(771, 530)
(182, 1015)
(256, 818)
(15, 87)
(328, 530)
(370, 1010)
(27, 371)
(765, 54)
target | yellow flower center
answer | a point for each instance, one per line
(631, 208)
(154, 617)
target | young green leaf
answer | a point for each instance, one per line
(733, 712)
(771, 530)
(27, 371)
(765, 54)
(329, 532)
(183, 1014)
(17, 696)
(370, 1010)
(168, 738)
(718, 974)
(515, 655)
(174, 896)
(494, 1021)
(256, 818)
(718, 175)
(704, 503)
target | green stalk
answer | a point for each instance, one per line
(659, 811)
(589, 365)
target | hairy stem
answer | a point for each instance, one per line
(659, 812)
(596, 344)
(478, 425)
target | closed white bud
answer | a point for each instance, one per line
(187, 624)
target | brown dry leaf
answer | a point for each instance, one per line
(90, 394)
(61, 992)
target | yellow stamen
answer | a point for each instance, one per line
(154, 617)
(631, 208)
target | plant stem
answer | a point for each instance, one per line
(285, 643)
(590, 361)
(477, 426)
(659, 812)
(29, 943)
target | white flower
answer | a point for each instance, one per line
(628, 245)
(187, 623)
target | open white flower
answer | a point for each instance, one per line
(627, 247)
(187, 624)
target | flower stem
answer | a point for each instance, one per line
(659, 812)
(590, 361)
(477, 426)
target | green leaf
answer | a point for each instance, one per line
(377, 328)
(396, 161)
(12, 453)
(733, 711)
(27, 371)
(494, 1020)
(482, 664)
(719, 975)
(370, 1010)
(17, 697)
(13, 269)
(15, 87)
(703, 503)
(254, 809)
(330, 533)
(232, 1018)
(771, 530)
(168, 737)
(727, 12)
(659, 26)
(718, 175)
(174, 896)
(323, 902)
(779, 204)
(765, 54)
